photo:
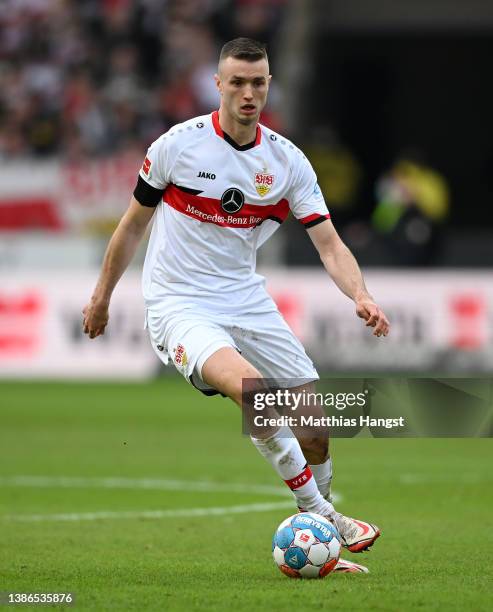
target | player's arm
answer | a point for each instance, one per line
(119, 253)
(344, 270)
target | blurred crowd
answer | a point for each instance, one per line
(88, 77)
(85, 79)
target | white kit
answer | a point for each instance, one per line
(220, 202)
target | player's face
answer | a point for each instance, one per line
(243, 87)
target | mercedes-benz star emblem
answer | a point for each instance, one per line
(232, 200)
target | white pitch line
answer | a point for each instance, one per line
(445, 478)
(155, 484)
(141, 483)
(153, 514)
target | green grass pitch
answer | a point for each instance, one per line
(431, 498)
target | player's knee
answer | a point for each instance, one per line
(244, 383)
(226, 370)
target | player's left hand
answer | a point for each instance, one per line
(373, 315)
(95, 318)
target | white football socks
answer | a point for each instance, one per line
(286, 457)
(322, 473)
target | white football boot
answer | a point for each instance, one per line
(348, 567)
(356, 536)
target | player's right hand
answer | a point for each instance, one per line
(96, 317)
(375, 317)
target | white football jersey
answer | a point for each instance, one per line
(218, 202)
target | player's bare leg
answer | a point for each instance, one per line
(225, 371)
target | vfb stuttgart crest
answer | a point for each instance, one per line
(180, 358)
(263, 182)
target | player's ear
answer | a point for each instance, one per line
(218, 83)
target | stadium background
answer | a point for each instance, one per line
(392, 103)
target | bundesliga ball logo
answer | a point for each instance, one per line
(232, 200)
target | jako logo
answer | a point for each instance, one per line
(207, 175)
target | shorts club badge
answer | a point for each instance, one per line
(263, 182)
(180, 358)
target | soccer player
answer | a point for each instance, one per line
(218, 187)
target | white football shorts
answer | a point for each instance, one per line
(191, 336)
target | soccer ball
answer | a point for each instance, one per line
(306, 545)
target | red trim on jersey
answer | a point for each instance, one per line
(300, 480)
(209, 210)
(220, 133)
(313, 217)
(258, 137)
(215, 123)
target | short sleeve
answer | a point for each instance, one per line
(155, 169)
(306, 199)
(154, 174)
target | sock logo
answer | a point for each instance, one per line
(300, 480)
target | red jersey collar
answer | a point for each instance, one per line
(227, 137)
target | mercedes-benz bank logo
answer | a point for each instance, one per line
(232, 200)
